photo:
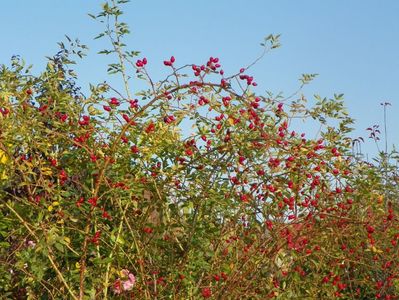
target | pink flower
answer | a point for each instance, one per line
(124, 285)
(128, 284)
(31, 244)
(117, 286)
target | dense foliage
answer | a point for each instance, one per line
(111, 196)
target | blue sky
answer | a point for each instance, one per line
(353, 45)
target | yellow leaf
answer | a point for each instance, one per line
(67, 239)
(101, 153)
(47, 171)
(3, 157)
(29, 164)
(93, 111)
(50, 208)
(3, 160)
(376, 250)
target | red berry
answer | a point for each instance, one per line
(206, 292)
(148, 230)
(114, 101)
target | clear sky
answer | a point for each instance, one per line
(353, 45)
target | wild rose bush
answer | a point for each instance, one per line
(105, 196)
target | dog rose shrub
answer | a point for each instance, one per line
(194, 187)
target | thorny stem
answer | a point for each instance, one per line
(87, 230)
(385, 127)
(106, 280)
(138, 254)
(117, 48)
(385, 155)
